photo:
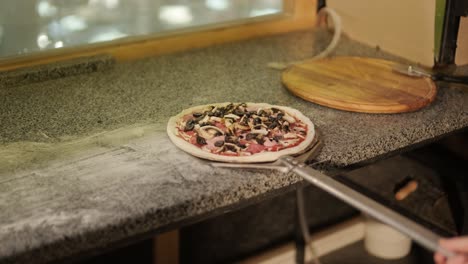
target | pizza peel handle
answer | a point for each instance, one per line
(418, 233)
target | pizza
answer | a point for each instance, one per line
(241, 132)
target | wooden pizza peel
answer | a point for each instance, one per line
(358, 84)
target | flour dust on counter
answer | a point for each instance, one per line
(127, 150)
(21, 155)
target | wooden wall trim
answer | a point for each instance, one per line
(461, 57)
(166, 248)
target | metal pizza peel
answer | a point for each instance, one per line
(298, 165)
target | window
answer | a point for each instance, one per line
(30, 26)
(126, 29)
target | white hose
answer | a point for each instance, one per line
(304, 226)
(336, 19)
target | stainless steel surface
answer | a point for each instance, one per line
(418, 233)
(312, 151)
(411, 70)
(268, 166)
(418, 72)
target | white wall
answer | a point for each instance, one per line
(401, 27)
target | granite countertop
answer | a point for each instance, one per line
(86, 163)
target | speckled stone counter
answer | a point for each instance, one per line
(86, 164)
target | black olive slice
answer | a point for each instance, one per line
(201, 141)
(251, 113)
(250, 136)
(229, 108)
(230, 139)
(198, 119)
(238, 112)
(219, 143)
(243, 146)
(189, 125)
(273, 125)
(260, 140)
(277, 138)
(231, 148)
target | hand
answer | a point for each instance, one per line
(458, 245)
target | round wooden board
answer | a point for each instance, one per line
(359, 85)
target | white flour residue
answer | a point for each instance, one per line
(48, 224)
(159, 151)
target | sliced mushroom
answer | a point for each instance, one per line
(289, 136)
(288, 142)
(300, 136)
(242, 127)
(209, 132)
(289, 118)
(228, 122)
(241, 121)
(232, 116)
(205, 119)
(216, 119)
(298, 128)
(262, 131)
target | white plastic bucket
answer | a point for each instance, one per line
(384, 241)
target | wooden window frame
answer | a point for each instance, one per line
(297, 15)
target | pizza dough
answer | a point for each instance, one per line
(177, 135)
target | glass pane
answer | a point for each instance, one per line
(33, 25)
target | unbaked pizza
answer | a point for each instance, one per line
(241, 132)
